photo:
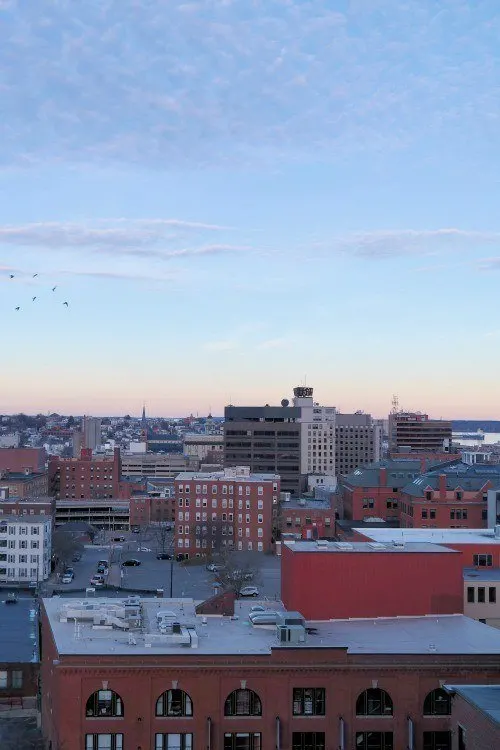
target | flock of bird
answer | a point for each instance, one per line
(13, 276)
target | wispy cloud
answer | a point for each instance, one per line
(277, 343)
(117, 276)
(489, 264)
(124, 81)
(220, 346)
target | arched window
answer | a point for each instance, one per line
(374, 702)
(104, 703)
(243, 703)
(437, 703)
(174, 703)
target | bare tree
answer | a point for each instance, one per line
(162, 536)
(20, 734)
(213, 537)
(239, 569)
(64, 547)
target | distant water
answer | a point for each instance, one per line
(489, 439)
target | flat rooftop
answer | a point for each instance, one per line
(486, 698)
(481, 574)
(437, 536)
(305, 503)
(101, 628)
(371, 547)
(221, 476)
(18, 630)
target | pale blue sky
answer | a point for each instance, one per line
(233, 195)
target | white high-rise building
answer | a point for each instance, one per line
(25, 548)
(317, 434)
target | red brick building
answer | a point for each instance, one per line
(307, 518)
(475, 716)
(88, 477)
(169, 678)
(34, 506)
(146, 510)
(24, 484)
(229, 508)
(342, 580)
(21, 459)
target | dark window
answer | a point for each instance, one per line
(242, 741)
(104, 742)
(428, 495)
(243, 703)
(484, 514)
(481, 594)
(374, 702)
(437, 703)
(461, 738)
(374, 741)
(432, 513)
(308, 741)
(174, 742)
(104, 703)
(424, 512)
(437, 741)
(482, 561)
(470, 594)
(174, 703)
(308, 701)
(492, 595)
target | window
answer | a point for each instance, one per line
(3, 679)
(482, 561)
(242, 741)
(461, 738)
(174, 703)
(432, 513)
(374, 702)
(174, 742)
(437, 741)
(470, 594)
(481, 594)
(437, 703)
(104, 742)
(104, 703)
(424, 512)
(243, 703)
(17, 679)
(374, 741)
(309, 701)
(308, 741)
(492, 595)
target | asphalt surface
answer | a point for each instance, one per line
(187, 580)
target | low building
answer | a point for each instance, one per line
(25, 549)
(482, 595)
(475, 716)
(21, 459)
(347, 530)
(225, 509)
(24, 484)
(19, 657)
(113, 515)
(155, 674)
(367, 579)
(10, 505)
(307, 518)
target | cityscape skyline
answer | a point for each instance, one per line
(276, 190)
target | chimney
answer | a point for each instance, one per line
(383, 476)
(27, 471)
(442, 485)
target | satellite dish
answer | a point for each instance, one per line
(285, 402)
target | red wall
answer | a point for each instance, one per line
(324, 585)
(19, 459)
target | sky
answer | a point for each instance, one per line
(237, 197)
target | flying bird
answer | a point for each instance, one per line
(11, 275)
(66, 303)
(33, 299)
(17, 308)
(54, 288)
(35, 275)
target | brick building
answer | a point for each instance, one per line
(415, 431)
(229, 508)
(475, 716)
(32, 506)
(19, 657)
(21, 459)
(165, 677)
(307, 518)
(326, 580)
(87, 477)
(24, 484)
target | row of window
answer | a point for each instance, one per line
(253, 741)
(184, 502)
(203, 489)
(481, 594)
(185, 516)
(21, 530)
(12, 679)
(244, 702)
(23, 544)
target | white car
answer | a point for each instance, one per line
(249, 591)
(97, 580)
(67, 578)
(143, 549)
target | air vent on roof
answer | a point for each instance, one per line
(376, 545)
(322, 543)
(344, 545)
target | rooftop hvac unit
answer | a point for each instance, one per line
(497, 531)
(291, 634)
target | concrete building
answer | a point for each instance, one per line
(19, 659)
(94, 477)
(10, 440)
(25, 548)
(226, 509)
(204, 447)
(24, 484)
(357, 441)
(317, 434)
(92, 433)
(268, 440)
(327, 580)
(157, 466)
(150, 673)
(475, 716)
(415, 431)
(113, 515)
(482, 595)
(23, 459)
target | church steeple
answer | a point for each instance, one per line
(143, 420)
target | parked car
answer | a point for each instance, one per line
(214, 568)
(164, 556)
(135, 530)
(237, 575)
(104, 563)
(118, 539)
(249, 591)
(67, 577)
(131, 563)
(76, 557)
(257, 608)
(69, 571)
(143, 549)
(97, 580)
(103, 570)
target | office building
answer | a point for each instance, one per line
(357, 441)
(25, 548)
(415, 431)
(204, 447)
(152, 673)
(91, 433)
(226, 509)
(86, 477)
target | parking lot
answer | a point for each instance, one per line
(188, 580)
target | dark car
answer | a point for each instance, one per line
(131, 563)
(118, 538)
(76, 557)
(164, 556)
